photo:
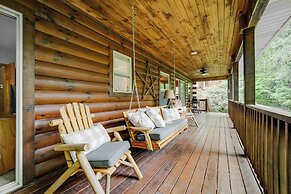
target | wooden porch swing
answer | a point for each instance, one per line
(148, 143)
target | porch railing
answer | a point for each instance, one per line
(266, 136)
(202, 104)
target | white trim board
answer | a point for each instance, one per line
(19, 98)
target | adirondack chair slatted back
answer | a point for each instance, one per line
(76, 117)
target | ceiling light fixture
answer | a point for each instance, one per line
(194, 52)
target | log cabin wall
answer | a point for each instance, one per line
(72, 64)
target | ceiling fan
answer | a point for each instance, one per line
(200, 72)
(203, 71)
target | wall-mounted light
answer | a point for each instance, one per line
(194, 53)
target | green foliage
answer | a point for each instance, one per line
(217, 97)
(273, 72)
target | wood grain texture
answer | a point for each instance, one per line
(72, 55)
(266, 140)
(28, 87)
(209, 27)
(202, 151)
(7, 144)
(9, 79)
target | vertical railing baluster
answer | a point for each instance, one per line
(283, 157)
(262, 147)
(288, 131)
(276, 156)
(270, 154)
(266, 152)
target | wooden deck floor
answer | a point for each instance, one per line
(209, 159)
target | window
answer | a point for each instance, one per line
(182, 92)
(177, 89)
(164, 85)
(241, 83)
(122, 73)
(164, 81)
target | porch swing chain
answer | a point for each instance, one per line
(134, 69)
(174, 70)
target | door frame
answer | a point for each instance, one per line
(28, 90)
(18, 182)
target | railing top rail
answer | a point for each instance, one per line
(273, 112)
(237, 102)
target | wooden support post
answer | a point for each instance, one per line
(235, 87)
(249, 77)
(249, 65)
(229, 87)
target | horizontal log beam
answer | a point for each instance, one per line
(47, 41)
(52, 29)
(59, 71)
(62, 97)
(55, 57)
(46, 153)
(53, 110)
(62, 84)
(47, 139)
(50, 165)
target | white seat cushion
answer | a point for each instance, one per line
(155, 117)
(170, 114)
(140, 119)
(95, 136)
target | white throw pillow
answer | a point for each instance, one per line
(155, 117)
(95, 136)
(140, 119)
(170, 114)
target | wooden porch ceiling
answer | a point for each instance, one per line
(212, 28)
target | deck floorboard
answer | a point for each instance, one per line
(208, 159)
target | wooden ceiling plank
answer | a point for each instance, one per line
(210, 26)
(205, 20)
(185, 31)
(194, 17)
(211, 10)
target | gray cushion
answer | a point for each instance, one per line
(107, 154)
(163, 132)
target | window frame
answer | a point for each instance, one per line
(168, 76)
(119, 93)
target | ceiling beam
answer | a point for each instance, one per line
(210, 78)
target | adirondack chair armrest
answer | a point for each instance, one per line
(55, 122)
(116, 129)
(72, 147)
(141, 129)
